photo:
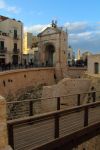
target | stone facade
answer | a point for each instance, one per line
(94, 64)
(76, 72)
(65, 87)
(53, 49)
(70, 56)
(27, 42)
(3, 126)
(56, 38)
(11, 32)
(12, 81)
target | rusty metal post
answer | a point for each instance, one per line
(56, 127)
(31, 108)
(58, 103)
(78, 99)
(86, 116)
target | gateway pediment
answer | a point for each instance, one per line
(49, 30)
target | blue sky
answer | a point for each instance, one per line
(80, 17)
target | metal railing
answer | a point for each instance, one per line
(9, 66)
(30, 107)
(3, 51)
(16, 51)
(35, 133)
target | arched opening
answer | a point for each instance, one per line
(49, 55)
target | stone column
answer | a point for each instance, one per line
(3, 126)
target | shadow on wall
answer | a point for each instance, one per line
(12, 81)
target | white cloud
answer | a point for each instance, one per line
(80, 37)
(75, 26)
(35, 29)
(13, 9)
(83, 35)
(8, 8)
(2, 4)
(38, 13)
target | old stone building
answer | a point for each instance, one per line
(52, 46)
(11, 32)
(70, 56)
(27, 42)
(30, 49)
(94, 64)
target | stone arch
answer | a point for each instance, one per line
(52, 47)
(49, 52)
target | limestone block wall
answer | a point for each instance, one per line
(11, 81)
(75, 72)
(65, 87)
(3, 126)
(57, 38)
(95, 82)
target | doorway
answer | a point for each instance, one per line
(49, 55)
(15, 59)
(96, 68)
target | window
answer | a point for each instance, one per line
(69, 56)
(1, 45)
(15, 46)
(15, 33)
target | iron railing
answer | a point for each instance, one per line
(16, 51)
(3, 51)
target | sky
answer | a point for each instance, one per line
(81, 19)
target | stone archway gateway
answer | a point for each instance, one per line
(52, 45)
(53, 41)
(49, 55)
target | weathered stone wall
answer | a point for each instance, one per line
(95, 82)
(12, 81)
(92, 59)
(3, 126)
(64, 87)
(94, 143)
(56, 37)
(75, 72)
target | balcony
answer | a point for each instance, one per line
(4, 34)
(3, 50)
(16, 51)
(16, 37)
